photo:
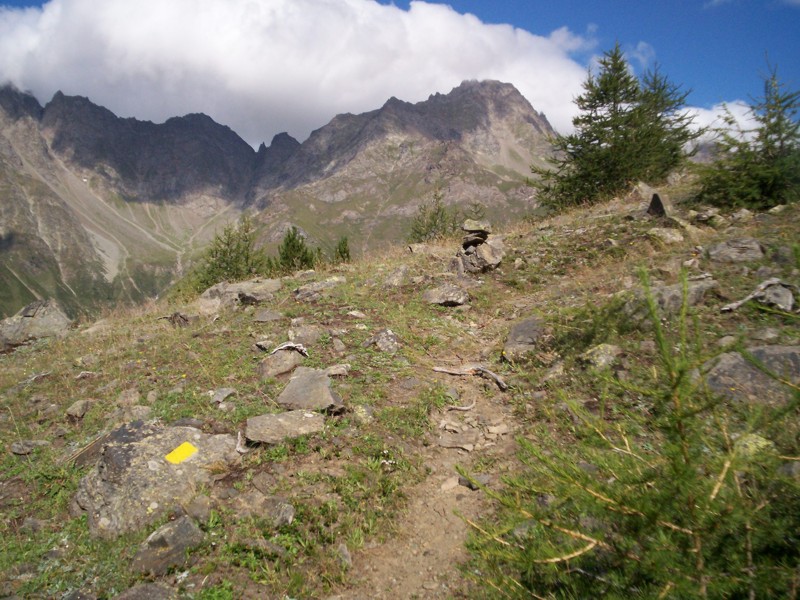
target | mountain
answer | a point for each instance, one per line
(365, 175)
(96, 208)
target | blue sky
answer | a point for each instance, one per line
(266, 66)
(717, 49)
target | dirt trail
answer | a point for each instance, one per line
(422, 558)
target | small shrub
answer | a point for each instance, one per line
(433, 221)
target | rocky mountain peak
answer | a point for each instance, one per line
(18, 104)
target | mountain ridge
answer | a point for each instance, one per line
(148, 196)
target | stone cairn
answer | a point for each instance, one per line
(480, 251)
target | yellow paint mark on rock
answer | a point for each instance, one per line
(181, 453)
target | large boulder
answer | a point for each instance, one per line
(146, 471)
(669, 298)
(40, 319)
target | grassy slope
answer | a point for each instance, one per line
(342, 490)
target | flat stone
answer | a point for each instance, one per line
(475, 226)
(465, 440)
(279, 363)
(666, 235)
(446, 295)
(267, 316)
(274, 428)
(732, 376)
(669, 298)
(479, 480)
(221, 394)
(166, 547)
(148, 591)
(309, 389)
(26, 447)
(738, 250)
(523, 338)
(254, 291)
(313, 291)
(385, 341)
(305, 334)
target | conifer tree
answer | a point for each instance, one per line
(626, 130)
(760, 167)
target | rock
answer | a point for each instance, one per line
(279, 363)
(485, 257)
(751, 445)
(221, 394)
(166, 547)
(396, 278)
(465, 440)
(78, 409)
(474, 239)
(658, 207)
(385, 341)
(475, 226)
(733, 377)
(338, 346)
(310, 389)
(305, 334)
(778, 295)
(340, 370)
(601, 356)
(231, 295)
(267, 316)
(474, 483)
(667, 236)
(32, 525)
(446, 295)
(40, 319)
(523, 338)
(148, 591)
(180, 320)
(738, 250)
(363, 414)
(26, 447)
(742, 216)
(274, 428)
(199, 508)
(255, 503)
(669, 298)
(344, 556)
(313, 291)
(145, 471)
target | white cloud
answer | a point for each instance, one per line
(714, 117)
(265, 66)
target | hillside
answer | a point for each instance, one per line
(99, 209)
(346, 484)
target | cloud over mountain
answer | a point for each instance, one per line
(264, 66)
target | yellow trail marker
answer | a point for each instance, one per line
(181, 453)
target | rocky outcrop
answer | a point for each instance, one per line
(40, 319)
